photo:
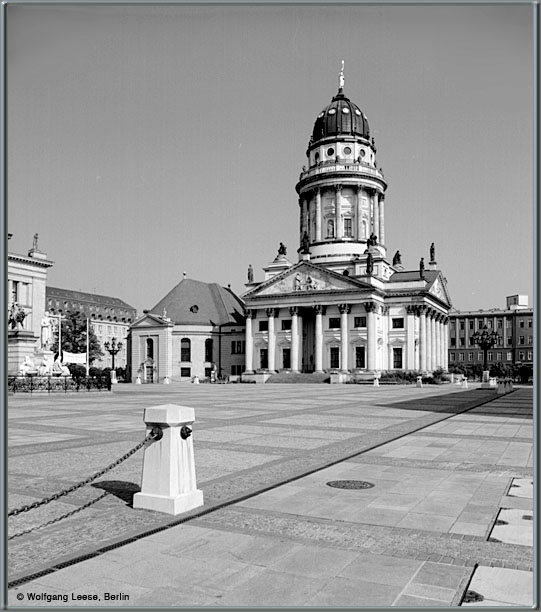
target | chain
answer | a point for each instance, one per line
(155, 433)
(59, 518)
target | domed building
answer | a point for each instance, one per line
(343, 306)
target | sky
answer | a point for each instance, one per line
(146, 141)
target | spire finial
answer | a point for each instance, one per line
(341, 77)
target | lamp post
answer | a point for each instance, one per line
(112, 348)
(485, 340)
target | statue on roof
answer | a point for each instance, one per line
(341, 77)
(369, 263)
(432, 252)
(282, 249)
(305, 244)
(422, 267)
(250, 274)
(35, 243)
(397, 259)
(372, 241)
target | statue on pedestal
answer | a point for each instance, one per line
(16, 316)
(372, 241)
(45, 331)
(397, 259)
(422, 267)
(432, 252)
(250, 274)
(369, 264)
(282, 249)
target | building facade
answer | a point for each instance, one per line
(344, 305)
(513, 325)
(27, 280)
(109, 318)
(196, 330)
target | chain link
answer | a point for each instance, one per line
(59, 518)
(155, 433)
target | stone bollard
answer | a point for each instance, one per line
(166, 380)
(376, 381)
(195, 380)
(465, 383)
(138, 380)
(168, 483)
(419, 381)
(502, 387)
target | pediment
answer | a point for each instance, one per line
(304, 278)
(439, 289)
(150, 320)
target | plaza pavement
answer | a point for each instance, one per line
(446, 465)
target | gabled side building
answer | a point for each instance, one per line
(197, 329)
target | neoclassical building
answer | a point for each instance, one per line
(344, 305)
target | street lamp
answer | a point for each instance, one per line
(112, 348)
(485, 340)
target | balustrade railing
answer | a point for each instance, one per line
(57, 384)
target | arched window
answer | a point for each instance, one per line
(208, 349)
(330, 228)
(150, 348)
(363, 230)
(185, 350)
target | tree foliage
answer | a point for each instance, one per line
(73, 338)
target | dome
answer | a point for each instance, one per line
(340, 117)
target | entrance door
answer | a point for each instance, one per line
(308, 339)
(149, 371)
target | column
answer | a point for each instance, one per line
(370, 308)
(301, 218)
(422, 338)
(358, 213)
(375, 220)
(294, 311)
(318, 214)
(250, 314)
(433, 343)
(446, 343)
(338, 216)
(441, 341)
(271, 344)
(410, 337)
(381, 236)
(344, 309)
(320, 310)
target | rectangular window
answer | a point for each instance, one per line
(521, 355)
(286, 358)
(500, 323)
(529, 323)
(359, 357)
(185, 372)
(529, 355)
(509, 355)
(530, 339)
(233, 347)
(521, 323)
(397, 358)
(452, 325)
(508, 322)
(263, 358)
(286, 324)
(398, 323)
(208, 372)
(453, 341)
(471, 323)
(509, 339)
(347, 228)
(334, 323)
(479, 323)
(359, 321)
(237, 370)
(451, 356)
(461, 324)
(479, 356)
(498, 356)
(263, 326)
(461, 356)
(470, 356)
(521, 340)
(490, 355)
(335, 357)
(462, 343)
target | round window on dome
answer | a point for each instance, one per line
(332, 111)
(330, 151)
(316, 155)
(357, 112)
(345, 110)
(347, 151)
(362, 153)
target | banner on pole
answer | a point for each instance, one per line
(73, 357)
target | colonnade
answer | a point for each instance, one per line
(424, 339)
(312, 216)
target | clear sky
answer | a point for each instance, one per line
(146, 141)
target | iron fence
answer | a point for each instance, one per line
(57, 384)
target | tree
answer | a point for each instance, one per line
(74, 336)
